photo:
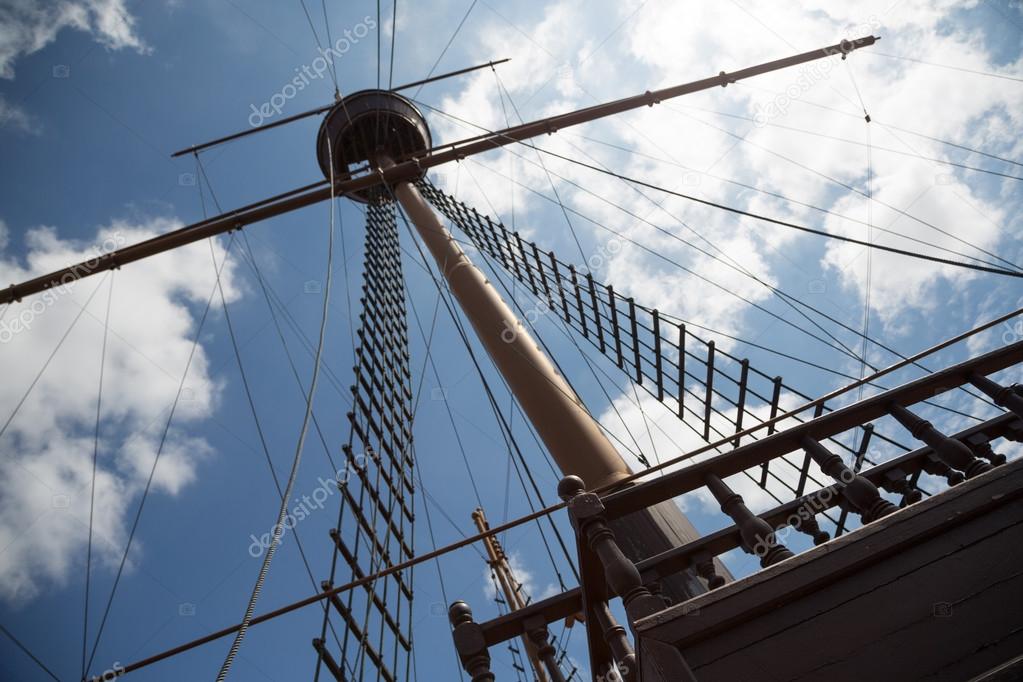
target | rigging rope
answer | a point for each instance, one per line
(49, 359)
(496, 530)
(293, 475)
(785, 223)
(503, 424)
(947, 66)
(156, 459)
(244, 376)
(901, 212)
(27, 652)
(846, 140)
(394, 31)
(92, 486)
(448, 45)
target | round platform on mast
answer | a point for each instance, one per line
(364, 125)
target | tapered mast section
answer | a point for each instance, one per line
(572, 436)
(510, 586)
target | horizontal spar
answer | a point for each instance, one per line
(403, 171)
(319, 110)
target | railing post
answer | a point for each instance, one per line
(587, 514)
(469, 643)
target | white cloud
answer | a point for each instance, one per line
(27, 26)
(47, 450)
(15, 117)
(521, 572)
(667, 43)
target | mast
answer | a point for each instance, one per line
(570, 433)
(510, 586)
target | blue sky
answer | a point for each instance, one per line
(94, 95)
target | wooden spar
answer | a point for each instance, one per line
(403, 171)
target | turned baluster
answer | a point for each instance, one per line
(703, 562)
(896, 481)
(805, 521)
(656, 590)
(949, 450)
(757, 535)
(536, 630)
(1004, 396)
(469, 643)
(935, 467)
(981, 447)
(617, 641)
(858, 490)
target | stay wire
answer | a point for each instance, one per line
(785, 321)
(849, 187)
(825, 107)
(293, 475)
(429, 556)
(783, 197)
(244, 374)
(448, 45)
(329, 62)
(49, 359)
(394, 30)
(95, 460)
(156, 460)
(947, 66)
(869, 252)
(550, 180)
(489, 392)
(801, 228)
(27, 652)
(911, 154)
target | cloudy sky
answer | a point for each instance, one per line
(95, 94)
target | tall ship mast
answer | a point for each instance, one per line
(867, 528)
